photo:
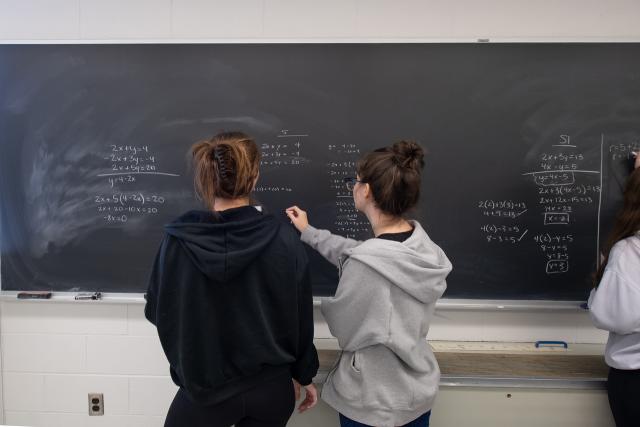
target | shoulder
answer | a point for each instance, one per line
(626, 247)
(625, 256)
(286, 232)
(373, 242)
(422, 243)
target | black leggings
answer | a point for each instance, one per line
(266, 405)
(623, 388)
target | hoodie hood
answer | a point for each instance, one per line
(417, 266)
(221, 245)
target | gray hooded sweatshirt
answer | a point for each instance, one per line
(387, 374)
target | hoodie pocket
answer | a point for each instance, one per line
(346, 380)
(355, 362)
(389, 385)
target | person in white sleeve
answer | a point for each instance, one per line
(614, 306)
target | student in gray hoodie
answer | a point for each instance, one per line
(615, 306)
(387, 374)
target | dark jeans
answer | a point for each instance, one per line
(267, 405)
(421, 421)
(623, 388)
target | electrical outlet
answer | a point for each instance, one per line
(96, 404)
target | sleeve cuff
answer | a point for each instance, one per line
(301, 379)
(304, 382)
(308, 234)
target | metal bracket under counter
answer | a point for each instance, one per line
(529, 383)
(508, 370)
(517, 383)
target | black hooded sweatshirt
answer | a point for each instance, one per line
(231, 298)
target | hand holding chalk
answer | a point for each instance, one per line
(636, 154)
(298, 218)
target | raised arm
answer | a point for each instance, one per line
(329, 245)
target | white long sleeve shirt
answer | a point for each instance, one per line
(615, 304)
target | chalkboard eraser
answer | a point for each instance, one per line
(483, 40)
(34, 295)
(88, 296)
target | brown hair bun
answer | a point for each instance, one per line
(394, 175)
(408, 154)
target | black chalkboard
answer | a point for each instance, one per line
(522, 137)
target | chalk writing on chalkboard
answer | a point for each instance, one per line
(528, 151)
(122, 164)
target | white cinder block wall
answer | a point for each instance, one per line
(53, 354)
(56, 353)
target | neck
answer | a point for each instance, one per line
(383, 223)
(224, 204)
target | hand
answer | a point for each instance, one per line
(310, 398)
(298, 218)
(636, 154)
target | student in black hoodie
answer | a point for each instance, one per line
(231, 299)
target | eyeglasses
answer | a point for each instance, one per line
(351, 182)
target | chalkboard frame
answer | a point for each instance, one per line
(445, 303)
